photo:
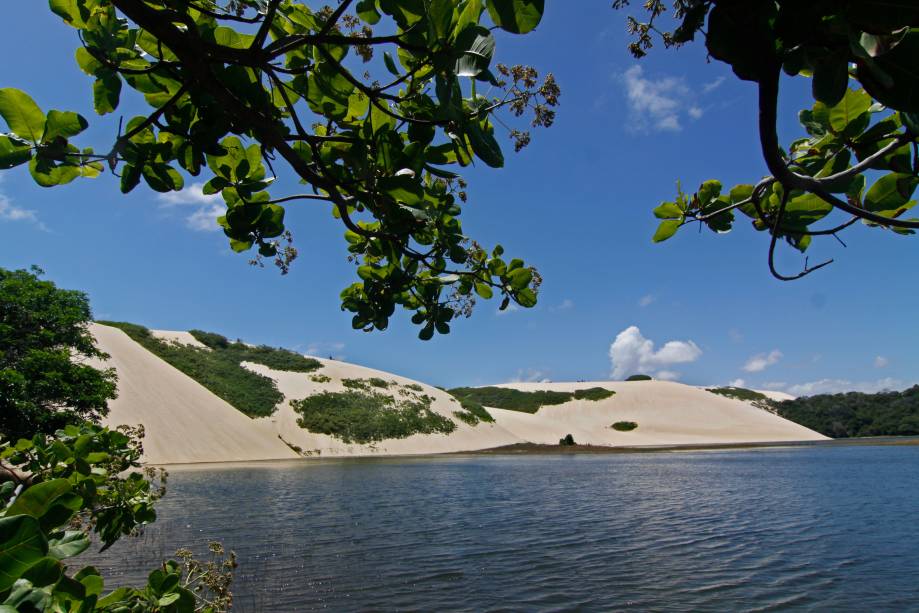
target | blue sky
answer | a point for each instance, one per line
(576, 203)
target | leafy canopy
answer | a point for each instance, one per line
(373, 105)
(44, 337)
(858, 155)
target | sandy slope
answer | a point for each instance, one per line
(184, 421)
(666, 413)
(187, 423)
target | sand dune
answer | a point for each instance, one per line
(186, 423)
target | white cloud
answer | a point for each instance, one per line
(631, 353)
(208, 207)
(881, 362)
(11, 212)
(667, 375)
(737, 383)
(654, 104)
(646, 300)
(531, 375)
(511, 308)
(695, 112)
(837, 386)
(762, 361)
(565, 305)
(713, 85)
(319, 349)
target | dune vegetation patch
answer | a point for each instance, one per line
(640, 378)
(473, 412)
(218, 368)
(525, 402)
(367, 416)
(757, 399)
(624, 426)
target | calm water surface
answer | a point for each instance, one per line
(806, 528)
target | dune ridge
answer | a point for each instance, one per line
(186, 423)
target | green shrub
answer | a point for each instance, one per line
(473, 412)
(355, 384)
(757, 399)
(624, 426)
(567, 441)
(415, 387)
(639, 378)
(467, 417)
(365, 417)
(320, 378)
(219, 368)
(377, 382)
(525, 402)
(593, 393)
(210, 339)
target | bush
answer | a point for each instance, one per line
(377, 382)
(320, 378)
(365, 417)
(211, 339)
(473, 412)
(567, 441)
(757, 399)
(219, 368)
(624, 426)
(525, 402)
(415, 387)
(639, 378)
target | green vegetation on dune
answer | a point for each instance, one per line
(639, 378)
(473, 412)
(757, 399)
(360, 416)
(856, 414)
(624, 426)
(525, 402)
(219, 369)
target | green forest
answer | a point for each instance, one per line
(856, 414)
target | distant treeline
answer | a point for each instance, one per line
(856, 414)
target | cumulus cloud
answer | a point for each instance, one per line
(837, 386)
(647, 300)
(631, 353)
(322, 349)
(712, 85)
(762, 361)
(565, 305)
(511, 308)
(11, 212)
(531, 375)
(737, 383)
(206, 207)
(660, 104)
(881, 362)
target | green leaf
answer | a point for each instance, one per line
(64, 124)
(403, 188)
(890, 194)
(831, 78)
(520, 278)
(106, 92)
(484, 145)
(390, 64)
(483, 290)
(668, 210)
(22, 115)
(803, 210)
(21, 545)
(900, 89)
(46, 571)
(162, 178)
(13, 152)
(852, 105)
(526, 298)
(367, 10)
(73, 543)
(476, 47)
(38, 499)
(517, 16)
(666, 229)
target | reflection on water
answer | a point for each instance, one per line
(809, 528)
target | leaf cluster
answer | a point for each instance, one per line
(236, 89)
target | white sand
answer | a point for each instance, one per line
(666, 413)
(186, 423)
(178, 337)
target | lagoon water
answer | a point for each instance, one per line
(811, 528)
